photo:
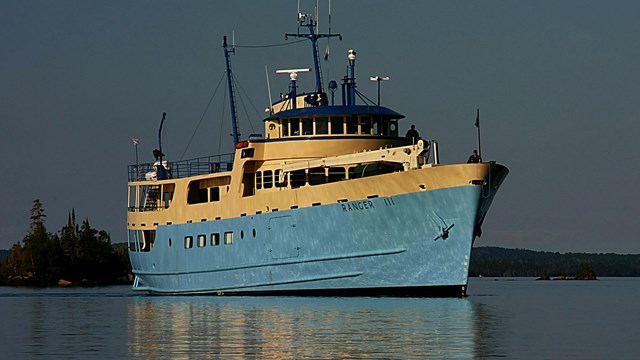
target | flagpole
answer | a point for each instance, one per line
(478, 126)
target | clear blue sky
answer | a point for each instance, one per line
(557, 83)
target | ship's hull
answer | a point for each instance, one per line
(415, 244)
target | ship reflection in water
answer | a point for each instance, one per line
(284, 327)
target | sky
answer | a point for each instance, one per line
(557, 84)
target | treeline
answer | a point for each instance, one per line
(77, 254)
(500, 262)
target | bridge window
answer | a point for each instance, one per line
(214, 194)
(337, 126)
(295, 127)
(285, 127)
(352, 124)
(365, 125)
(307, 126)
(322, 125)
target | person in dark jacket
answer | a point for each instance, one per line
(474, 158)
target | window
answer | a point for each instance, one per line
(167, 194)
(298, 178)
(365, 125)
(316, 176)
(336, 174)
(228, 238)
(352, 125)
(247, 153)
(268, 179)
(285, 127)
(307, 126)
(393, 127)
(214, 194)
(336, 125)
(295, 127)
(322, 126)
(188, 242)
(202, 240)
(215, 239)
(258, 180)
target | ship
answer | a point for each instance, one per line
(332, 199)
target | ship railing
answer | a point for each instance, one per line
(184, 168)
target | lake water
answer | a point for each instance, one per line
(501, 318)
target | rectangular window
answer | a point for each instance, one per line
(215, 239)
(167, 194)
(268, 179)
(295, 127)
(285, 127)
(188, 242)
(322, 126)
(352, 124)
(307, 126)
(228, 238)
(365, 125)
(202, 240)
(336, 125)
(259, 180)
(298, 178)
(214, 194)
(316, 176)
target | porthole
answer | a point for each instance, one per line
(169, 242)
(241, 234)
(254, 232)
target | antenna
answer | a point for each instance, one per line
(293, 75)
(379, 79)
(266, 71)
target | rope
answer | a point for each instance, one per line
(202, 117)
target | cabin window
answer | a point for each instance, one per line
(298, 178)
(285, 127)
(295, 127)
(258, 180)
(336, 174)
(316, 176)
(214, 194)
(215, 239)
(228, 238)
(196, 195)
(352, 125)
(337, 126)
(268, 179)
(188, 242)
(365, 125)
(202, 240)
(322, 125)
(307, 126)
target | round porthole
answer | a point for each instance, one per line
(272, 126)
(392, 126)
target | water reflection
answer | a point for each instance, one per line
(288, 327)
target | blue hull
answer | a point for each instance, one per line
(411, 244)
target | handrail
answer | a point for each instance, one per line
(185, 168)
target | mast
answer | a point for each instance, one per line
(232, 99)
(307, 20)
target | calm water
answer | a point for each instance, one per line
(505, 318)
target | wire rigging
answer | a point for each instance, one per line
(202, 117)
